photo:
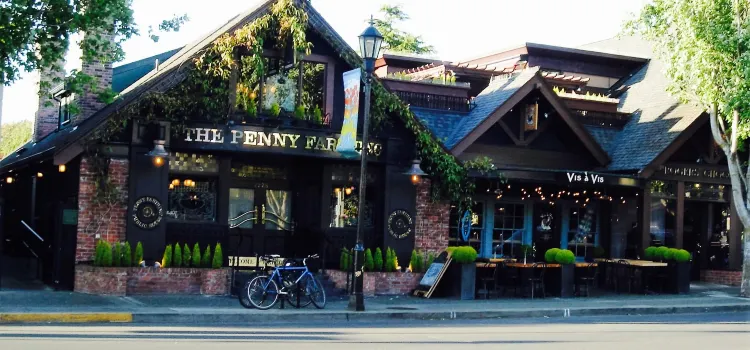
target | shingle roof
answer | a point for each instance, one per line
(127, 74)
(657, 117)
(451, 132)
(603, 135)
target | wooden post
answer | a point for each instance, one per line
(735, 235)
(645, 222)
(679, 237)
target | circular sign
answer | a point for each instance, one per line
(399, 224)
(465, 225)
(147, 213)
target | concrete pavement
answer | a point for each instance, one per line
(35, 306)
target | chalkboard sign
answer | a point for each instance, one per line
(433, 275)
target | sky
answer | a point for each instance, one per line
(457, 29)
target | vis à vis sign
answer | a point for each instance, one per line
(266, 139)
(592, 179)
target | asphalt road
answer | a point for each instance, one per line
(704, 331)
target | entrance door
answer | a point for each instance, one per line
(262, 219)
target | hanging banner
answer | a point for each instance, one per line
(348, 139)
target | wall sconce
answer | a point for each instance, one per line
(175, 182)
(61, 168)
(158, 153)
(39, 175)
(415, 172)
(348, 190)
(9, 180)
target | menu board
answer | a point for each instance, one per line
(433, 275)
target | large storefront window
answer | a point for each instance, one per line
(508, 228)
(583, 230)
(192, 187)
(345, 197)
(663, 212)
(285, 87)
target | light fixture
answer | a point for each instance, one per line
(176, 182)
(171, 186)
(348, 191)
(370, 42)
(9, 180)
(39, 175)
(337, 190)
(158, 153)
(61, 168)
(415, 172)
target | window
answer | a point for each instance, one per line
(583, 229)
(508, 229)
(192, 199)
(345, 197)
(67, 110)
(193, 163)
(477, 220)
(663, 221)
(287, 87)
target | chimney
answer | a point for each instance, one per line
(101, 71)
(47, 113)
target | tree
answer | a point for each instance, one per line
(706, 47)
(14, 135)
(395, 39)
(36, 33)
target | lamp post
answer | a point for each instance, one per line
(369, 44)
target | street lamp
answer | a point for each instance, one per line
(369, 44)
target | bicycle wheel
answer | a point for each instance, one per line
(263, 292)
(291, 296)
(315, 292)
(244, 297)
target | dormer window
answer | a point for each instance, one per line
(67, 110)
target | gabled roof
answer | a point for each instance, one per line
(658, 119)
(127, 74)
(458, 131)
(65, 144)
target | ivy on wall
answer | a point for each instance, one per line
(207, 92)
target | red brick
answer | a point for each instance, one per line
(432, 221)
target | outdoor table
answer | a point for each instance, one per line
(647, 270)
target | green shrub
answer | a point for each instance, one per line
(369, 263)
(318, 115)
(599, 252)
(186, 256)
(565, 257)
(430, 259)
(659, 253)
(196, 261)
(682, 255)
(177, 256)
(464, 255)
(106, 254)
(344, 260)
(350, 256)
(299, 112)
(98, 253)
(650, 253)
(450, 249)
(390, 260)
(206, 257)
(549, 255)
(275, 110)
(138, 254)
(218, 260)
(251, 108)
(166, 260)
(378, 260)
(116, 254)
(669, 254)
(127, 255)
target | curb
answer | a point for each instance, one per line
(368, 316)
(6, 318)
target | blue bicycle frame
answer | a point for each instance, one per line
(276, 275)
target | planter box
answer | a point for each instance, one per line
(681, 277)
(462, 279)
(149, 280)
(380, 283)
(567, 280)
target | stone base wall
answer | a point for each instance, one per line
(380, 283)
(148, 280)
(729, 278)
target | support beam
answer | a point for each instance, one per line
(679, 237)
(645, 220)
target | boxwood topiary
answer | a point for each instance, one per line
(669, 254)
(206, 257)
(549, 255)
(369, 263)
(166, 260)
(218, 260)
(138, 254)
(565, 257)
(659, 254)
(464, 255)
(378, 260)
(682, 255)
(127, 255)
(177, 256)
(649, 253)
(196, 256)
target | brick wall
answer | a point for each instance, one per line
(136, 280)
(47, 114)
(729, 278)
(380, 283)
(432, 219)
(107, 220)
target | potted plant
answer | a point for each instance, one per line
(274, 114)
(682, 265)
(317, 117)
(650, 253)
(464, 257)
(526, 250)
(549, 255)
(659, 253)
(567, 260)
(300, 119)
(251, 108)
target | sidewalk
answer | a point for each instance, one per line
(43, 307)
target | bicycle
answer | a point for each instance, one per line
(263, 291)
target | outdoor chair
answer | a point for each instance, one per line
(490, 280)
(536, 281)
(509, 279)
(587, 278)
(626, 276)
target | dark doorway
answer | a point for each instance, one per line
(261, 215)
(695, 233)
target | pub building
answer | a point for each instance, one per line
(592, 154)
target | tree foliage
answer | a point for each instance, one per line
(705, 45)
(395, 39)
(14, 135)
(36, 33)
